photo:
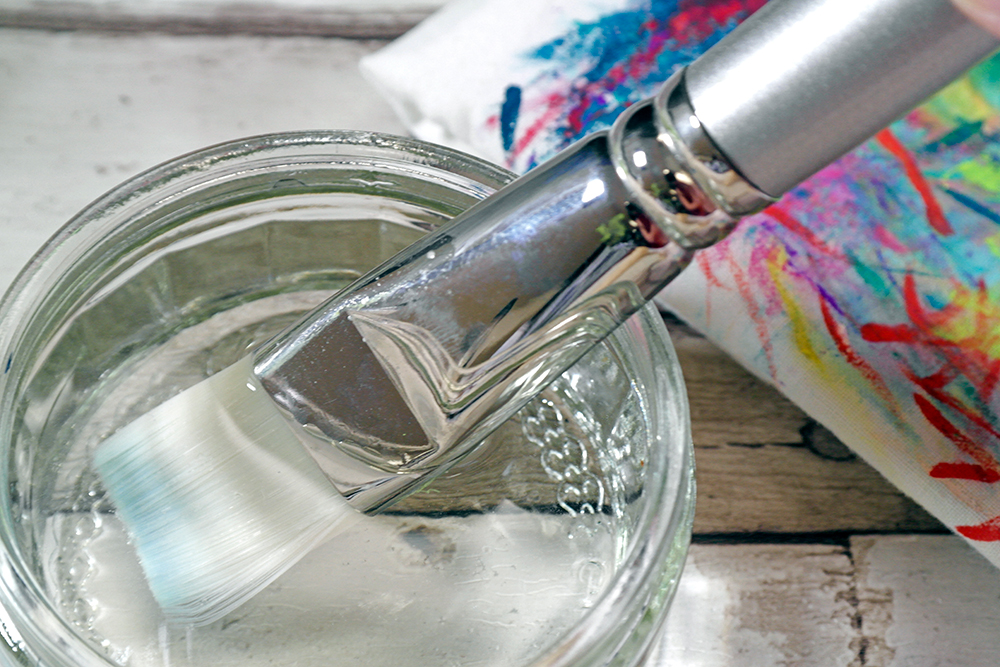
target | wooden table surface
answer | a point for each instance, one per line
(803, 555)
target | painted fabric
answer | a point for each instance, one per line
(869, 295)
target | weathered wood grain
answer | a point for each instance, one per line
(80, 113)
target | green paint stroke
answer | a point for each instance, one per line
(986, 78)
(993, 243)
(981, 172)
(974, 97)
(871, 278)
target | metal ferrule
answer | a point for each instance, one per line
(673, 171)
(801, 82)
(410, 367)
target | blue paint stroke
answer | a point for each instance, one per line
(508, 115)
(974, 205)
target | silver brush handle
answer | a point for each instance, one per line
(801, 82)
(413, 365)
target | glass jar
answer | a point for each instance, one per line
(558, 542)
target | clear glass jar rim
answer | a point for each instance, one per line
(669, 509)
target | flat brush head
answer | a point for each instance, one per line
(218, 494)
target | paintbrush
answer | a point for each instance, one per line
(404, 372)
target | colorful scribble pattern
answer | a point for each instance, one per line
(871, 293)
(602, 67)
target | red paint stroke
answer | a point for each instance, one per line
(965, 444)
(939, 379)
(640, 64)
(922, 317)
(967, 358)
(934, 386)
(970, 471)
(935, 215)
(963, 357)
(839, 335)
(889, 240)
(760, 324)
(889, 333)
(947, 400)
(696, 20)
(705, 264)
(555, 104)
(990, 380)
(988, 531)
(789, 222)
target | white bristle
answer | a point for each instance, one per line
(218, 494)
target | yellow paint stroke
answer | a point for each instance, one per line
(800, 327)
(983, 173)
(993, 244)
(960, 102)
(971, 320)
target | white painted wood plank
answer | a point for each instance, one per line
(345, 18)
(926, 601)
(761, 606)
(890, 601)
(176, 6)
(80, 113)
